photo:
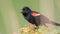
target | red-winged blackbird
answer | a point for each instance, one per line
(35, 17)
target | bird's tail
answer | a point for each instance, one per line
(57, 24)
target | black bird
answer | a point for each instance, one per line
(36, 18)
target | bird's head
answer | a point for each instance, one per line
(26, 10)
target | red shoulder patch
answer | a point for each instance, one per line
(34, 13)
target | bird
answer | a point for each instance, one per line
(36, 18)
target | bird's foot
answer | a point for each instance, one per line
(36, 28)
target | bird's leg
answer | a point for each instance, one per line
(36, 28)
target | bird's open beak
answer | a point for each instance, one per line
(22, 12)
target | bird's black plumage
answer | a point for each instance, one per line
(27, 15)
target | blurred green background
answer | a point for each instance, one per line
(11, 19)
